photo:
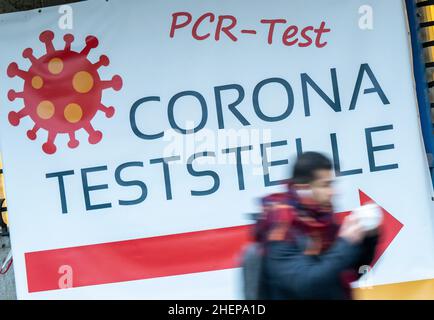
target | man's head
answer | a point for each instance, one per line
(314, 171)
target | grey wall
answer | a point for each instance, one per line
(7, 282)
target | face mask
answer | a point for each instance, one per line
(305, 193)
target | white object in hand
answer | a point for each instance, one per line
(369, 215)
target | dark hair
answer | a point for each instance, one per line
(306, 165)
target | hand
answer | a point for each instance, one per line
(373, 232)
(352, 230)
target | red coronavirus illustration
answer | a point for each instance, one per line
(62, 91)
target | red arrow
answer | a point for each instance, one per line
(389, 228)
(160, 256)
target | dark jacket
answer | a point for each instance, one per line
(290, 274)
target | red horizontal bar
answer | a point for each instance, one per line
(137, 259)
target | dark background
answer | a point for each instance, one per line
(7, 6)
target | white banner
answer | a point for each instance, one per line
(138, 135)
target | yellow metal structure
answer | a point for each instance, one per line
(411, 290)
(4, 215)
(427, 17)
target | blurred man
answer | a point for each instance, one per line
(307, 255)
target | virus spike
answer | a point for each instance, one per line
(49, 147)
(103, 61)
(13, 71)
(91, 43)
(109, 111)
(12, 95)
(15, 117)
(68, 38)
(47, 38)
(31, 134)
(73, 142)
(115, 83)
(94, 136)
(28, 54)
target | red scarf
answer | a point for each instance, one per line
(286, 215)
